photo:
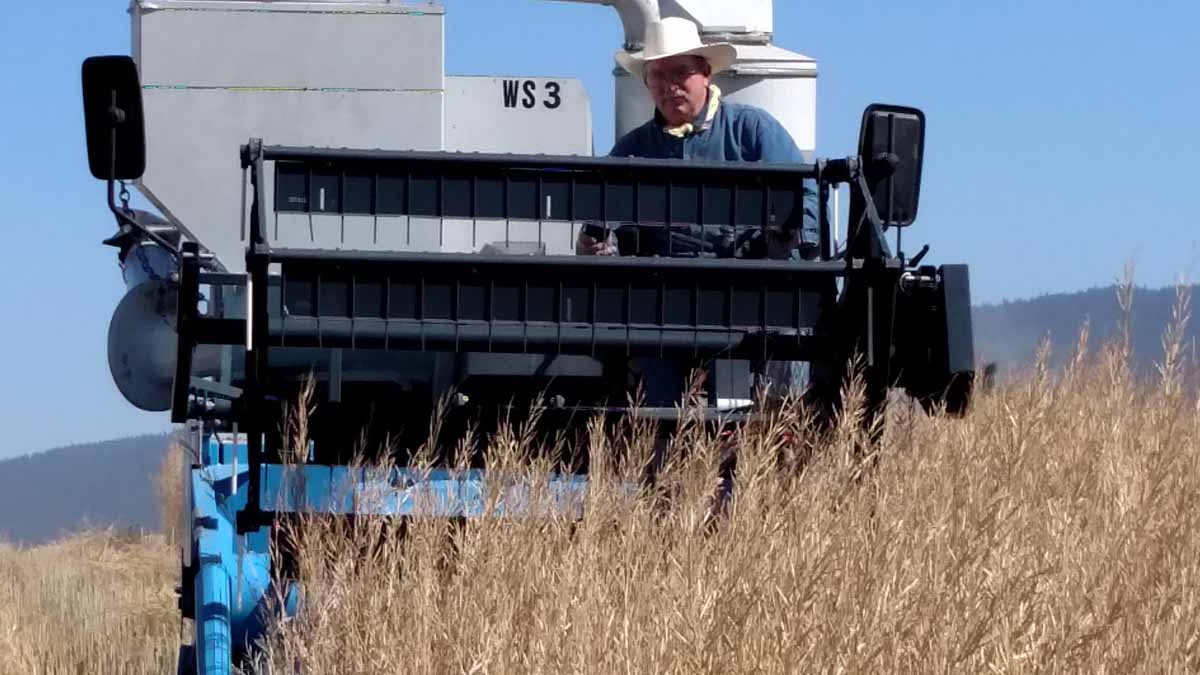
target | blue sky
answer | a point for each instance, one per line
(1061, 144)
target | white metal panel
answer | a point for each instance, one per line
(194, 136)
(521, 115)
(793, 101)
(530, 115)
(724, 16)
(511, 237)
(328, 74)
(768, 60)
(280, 44)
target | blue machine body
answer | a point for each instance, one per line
(232, 578)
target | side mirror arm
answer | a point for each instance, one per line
(866, 238)
(123, 213)
(128, 224)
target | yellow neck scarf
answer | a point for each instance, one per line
(688, 128)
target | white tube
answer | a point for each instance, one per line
(249, 313)
(837, 215)
(635, 16)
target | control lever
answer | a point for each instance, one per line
(919, 256)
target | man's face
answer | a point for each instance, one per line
(679, 87)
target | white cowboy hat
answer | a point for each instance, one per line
(675, 36)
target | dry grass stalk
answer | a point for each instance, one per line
(97, 602)
(1055, 529)
(171, 474)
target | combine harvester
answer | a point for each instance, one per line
(288, 243)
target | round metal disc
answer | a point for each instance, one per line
(142, 344)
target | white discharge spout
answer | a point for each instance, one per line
(635, 16)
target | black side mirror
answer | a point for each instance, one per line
(112, 113)
(891, 144)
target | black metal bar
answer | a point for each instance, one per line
(626, 165)
(955, 289)
(891, 178)
(353, 300)
(605, 263)
(375, 208)
(316, 296)
(553, 338)
(733, 206)
(387, 309)
(891, 185)
(219, 331)
(185, 316)
(222, 279)
(865, 238)
(765, 211)
(257, 266)
(242, 213)
(604, 199)
(559, 301)
(823, 226)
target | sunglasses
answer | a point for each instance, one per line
(679, 74)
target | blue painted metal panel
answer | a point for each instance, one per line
(220, 449)
(405, 492)
(231, 586)
(233, 583)
(213, 539)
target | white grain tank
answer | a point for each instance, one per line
(780, 81)
(326, 73)
(218, 72)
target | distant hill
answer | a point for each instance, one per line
(47, 494)
(1010, 332)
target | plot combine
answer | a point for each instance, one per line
(333, 208)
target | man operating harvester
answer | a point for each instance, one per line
(692, 122)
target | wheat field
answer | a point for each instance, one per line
(100, 601)
(96, 602)
(1053, 529)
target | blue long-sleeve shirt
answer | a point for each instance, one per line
(731, 132)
